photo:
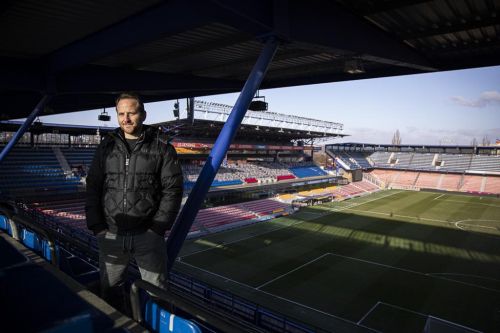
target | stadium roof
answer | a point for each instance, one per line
(86, 51)
(207, 119)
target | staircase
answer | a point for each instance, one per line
(62, 161)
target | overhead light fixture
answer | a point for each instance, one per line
(258, 103)
(104, 116)
(176, 109)
(354, 66)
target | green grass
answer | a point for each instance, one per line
(383, 261)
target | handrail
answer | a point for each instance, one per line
(225, 323)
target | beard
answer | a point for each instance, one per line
(131, 129)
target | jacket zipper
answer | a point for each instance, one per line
(127, 162)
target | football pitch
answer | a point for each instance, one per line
(378, 263)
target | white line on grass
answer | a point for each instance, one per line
(461, 223)
(377, 264)
(457, 224)
(471, 203)
(180, 258)
(293, 270)
(397, 215)
(415, 272)
(432, 275)
(400, 308)
(267, 293)
(239, 240)
(369, 311)
(467, 275)
(361, 203)
(439, 197)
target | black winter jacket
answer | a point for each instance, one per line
(128, 191)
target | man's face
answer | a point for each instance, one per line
(129, 118)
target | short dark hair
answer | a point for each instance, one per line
(131, 95)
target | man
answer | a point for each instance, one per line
(134, 191)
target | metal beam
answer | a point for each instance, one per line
(178, 55)
(159, 21)
(195, 199)
(382, 7)
(235, 67)
(454, 28)
(253, 17)
(104, 79)
(328, 24)
(38, 109)
(305, 77)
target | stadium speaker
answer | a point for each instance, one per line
(104, 116)
(258, 103)
(258, 106)
(176, 109)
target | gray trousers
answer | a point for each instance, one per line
(115, 252)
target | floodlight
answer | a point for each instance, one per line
(354, 66)
(176, 109)
(258, 103)
(104, 116)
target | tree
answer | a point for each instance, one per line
(396, 139)
(486, 141)
(474, 142)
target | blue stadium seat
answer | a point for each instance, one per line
(163, 321)
(308, 171)
(3, 222)
(32, 241)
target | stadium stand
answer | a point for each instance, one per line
(35, 171)
(420, 161)
(485, 163)
(70, 213)
(307, 171)
(428, 180)
(450, 182)
(417, 167)
(217, 43)
(492, 184)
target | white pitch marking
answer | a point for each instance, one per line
(293, 270)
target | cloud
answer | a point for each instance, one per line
(486, 98)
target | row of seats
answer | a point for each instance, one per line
(441, 181)
(38, 169)
(336, 192)
(420, 161)
(71, 213)
(254, 172)
(33, 171)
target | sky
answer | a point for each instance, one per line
(451, 108)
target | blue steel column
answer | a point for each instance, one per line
(188, 213)
(24, 127)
